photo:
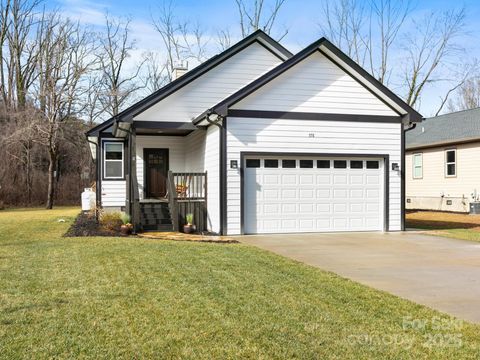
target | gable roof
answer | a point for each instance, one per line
(327, 49)
(461, 126)
(258, 36)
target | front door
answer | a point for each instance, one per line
(156, 172)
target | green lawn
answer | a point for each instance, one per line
(138, 298)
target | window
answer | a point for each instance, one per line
(356, 164)
(271, 163)
(323, 164)
(451, 163)
(113, 160)
(288, 164)
(306, 163)
(253, 163)
(371, 164)
(340, 164)
(417, 166)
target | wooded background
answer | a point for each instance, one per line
(59, 77)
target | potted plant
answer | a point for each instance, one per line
(188, 228)
(126, 227)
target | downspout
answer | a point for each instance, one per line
(222, 182)
(410, 126)
(97, 173)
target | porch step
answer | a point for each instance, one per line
(155, 217)
(167, 228)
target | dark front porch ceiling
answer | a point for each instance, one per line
(163, 128)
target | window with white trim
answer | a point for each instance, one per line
(417, 166)
(113, 160)
(451, 163)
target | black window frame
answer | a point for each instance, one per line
(106, 142)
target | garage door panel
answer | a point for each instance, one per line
(309, 199)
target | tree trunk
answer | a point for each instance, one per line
(51, 179)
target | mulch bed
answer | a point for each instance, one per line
(86, 225)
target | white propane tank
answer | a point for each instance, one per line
(88, 199)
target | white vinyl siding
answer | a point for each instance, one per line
(417, 166)
(212, 167)
(295, 136)
(212, 87)
(315, 85)
(195, 151)
(434, 189)
(114, 193)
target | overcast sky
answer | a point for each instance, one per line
(302, 18)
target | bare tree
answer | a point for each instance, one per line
(468, 96)
(459, 81)
(254, 15)
(428, 48)
(156, 71)
(63, 62)
(19, 19)
(367, 32)
(224, 39)
(115, 48)
(182, 40)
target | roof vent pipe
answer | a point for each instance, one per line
(179, 69)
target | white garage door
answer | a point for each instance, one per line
(306, 194)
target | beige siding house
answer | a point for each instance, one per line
(442, 162)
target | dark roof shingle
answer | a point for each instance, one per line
(444, 129)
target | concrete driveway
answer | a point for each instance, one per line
(441, 273)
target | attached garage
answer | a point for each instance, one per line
(293, 194)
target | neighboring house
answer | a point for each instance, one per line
(443, 157)
(257, 140)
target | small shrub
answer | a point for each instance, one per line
(110, 220)
(189, 218)
(125, 218)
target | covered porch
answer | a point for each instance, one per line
(165, 177)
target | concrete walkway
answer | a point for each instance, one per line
(441, 273)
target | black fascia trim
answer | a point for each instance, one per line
(344, 69)
(223, 177)
(95, 131)
(414, 115)
(106, 140)
(312, 116)
(221, 107)
(170, 125)
(386, 158)
(193, 74)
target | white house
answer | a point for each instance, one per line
(442, 158)
(257, 140)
